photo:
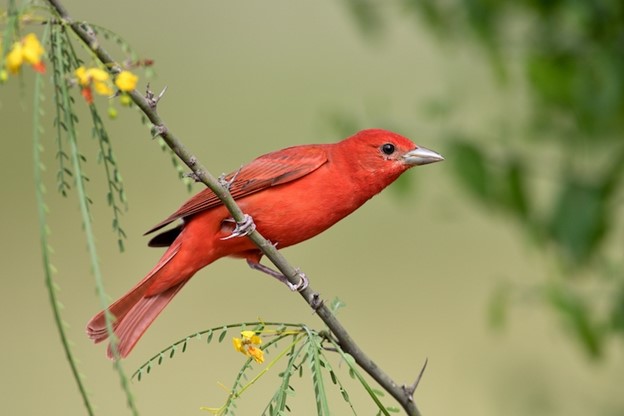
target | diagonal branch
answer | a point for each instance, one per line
(148, 104)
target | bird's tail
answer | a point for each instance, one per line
(133, 313)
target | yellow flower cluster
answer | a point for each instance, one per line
(28, 50)
(246, 345)
(97, 79)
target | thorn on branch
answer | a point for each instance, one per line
(162, 94)
(409, 390)
(152, 100)
(194, 176)
(315, 301)
(223, 182)
(158, 130)
(89, 31)
(272, 243)
(227, 183)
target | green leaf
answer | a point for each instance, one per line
(471, 168)
(514, 195)
(322, 407)
(575, 312)
(579, 219)
(367, 16)
(223, 334)
(617, 312)
(552, 76)
(345, 395)
(336, 304)
(353, 372)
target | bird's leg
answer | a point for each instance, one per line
(303, 280)
(243, 228)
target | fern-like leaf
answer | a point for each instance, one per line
(322, 407)
(44, 231)
(348, 359)
(64, 61)
(116, 195)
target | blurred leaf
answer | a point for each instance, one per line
(617, 313)
(552, 74)
(336, 304)
(513, 192)
(471, 168)
(573, 309)
(579, 219)
(367, 16)
(432, 13)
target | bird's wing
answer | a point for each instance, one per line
(269, 170)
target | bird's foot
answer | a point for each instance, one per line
(303, 282)
(298, 287)
(243, 228)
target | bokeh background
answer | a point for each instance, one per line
(502, 265)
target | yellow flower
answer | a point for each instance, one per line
(126, 81)
(28, 50)
(238, 345)
(33, 51)
(93, 77)
(15, 58)
(251, 337)
(256, 353)
(246, 346)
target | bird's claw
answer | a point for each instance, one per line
(243, 228)
(302, 285)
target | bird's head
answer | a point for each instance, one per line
(386, 153)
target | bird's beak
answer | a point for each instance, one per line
(421, 156)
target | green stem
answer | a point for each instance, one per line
(86, 216)
(45, 248)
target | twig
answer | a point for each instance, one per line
(148, 104)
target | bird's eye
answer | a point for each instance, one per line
(387, 148)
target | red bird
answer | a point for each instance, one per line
(292, 195)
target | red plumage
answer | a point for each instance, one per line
(292, 195)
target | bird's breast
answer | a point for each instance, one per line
(296, 211)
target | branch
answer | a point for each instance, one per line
(148, 104)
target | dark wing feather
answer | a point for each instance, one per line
(269, 170)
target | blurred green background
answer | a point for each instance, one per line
(502, 265)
